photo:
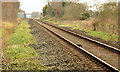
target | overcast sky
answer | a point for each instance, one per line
(30, 6)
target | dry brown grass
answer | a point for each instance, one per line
(7, 30)
(85, 24)
(105, 25)
(7, 25)
(9, 22)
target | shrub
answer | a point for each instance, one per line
(85, 16)
(74, 11)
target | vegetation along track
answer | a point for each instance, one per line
(104, 55)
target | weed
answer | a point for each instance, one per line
(19, 52)
(103, 35)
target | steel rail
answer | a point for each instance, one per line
(86, 53)
(111, 48)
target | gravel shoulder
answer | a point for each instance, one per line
(56, 54)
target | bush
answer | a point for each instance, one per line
(109, 10)
(85, 16)
(74, 11)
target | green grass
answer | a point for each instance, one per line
(71, 25)
(65, 25)
(103, 35)
(20, 54)
(51, 21)
(21, 35)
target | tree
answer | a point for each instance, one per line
(74, 10)
(85, 16)
(45, 10)
(109, 10)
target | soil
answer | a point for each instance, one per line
(56, 54)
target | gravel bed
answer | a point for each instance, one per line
(56, 54)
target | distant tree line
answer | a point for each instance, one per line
(70, 10)
(105, 16)
(66, 10)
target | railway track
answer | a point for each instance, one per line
(104, 55)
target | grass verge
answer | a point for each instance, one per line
(99, 34)
(21, 56)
